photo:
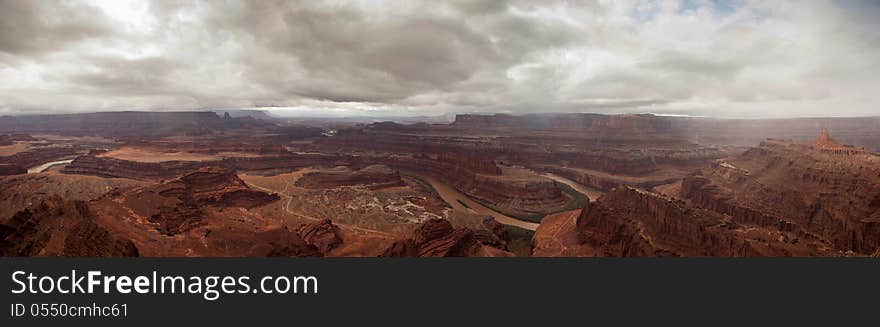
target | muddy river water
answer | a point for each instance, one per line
(462, 202)
(43, 167)
(459, 201)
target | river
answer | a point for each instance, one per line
(593, 194)
(43, 167)
(455, 199)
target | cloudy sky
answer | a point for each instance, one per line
(411, 58)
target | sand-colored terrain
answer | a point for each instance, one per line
(362, 241)
(8, 150)
(284, 186)
(55, 138)
(150, 155)
(557, 235)
(20, 191)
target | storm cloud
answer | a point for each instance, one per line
(407, 58)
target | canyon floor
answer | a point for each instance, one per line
(201, 184)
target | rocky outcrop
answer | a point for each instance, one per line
(470, 162)
(213, 145)
(801, 188)
(179, 203)
(283, 162)
(633, 222)
(324, 235)
(118, 168)
(156, 171)
(55, 227)
(495, 234)
(642, 161)
(218, 186)
(282, 242)
(86, 234)
(371, 177)
(517, 196)
(436, 238)
(38, 156)
(11, 169)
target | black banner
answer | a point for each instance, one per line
(460, 292)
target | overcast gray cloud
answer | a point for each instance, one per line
(715, 58)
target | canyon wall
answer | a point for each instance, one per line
(372, 177)
(118, 168)
(55, 227)
(38, 156)
(178, 205)
(830, 196)
(633, 222)
(437, 238)
(520, 195)
(157, 171)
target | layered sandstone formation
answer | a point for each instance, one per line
(821, 191)
(494, 234)
(437, 238)
(633, 222)
(178, 205)
(41, 155)
(481, 179)
(641, 161)
(20, 191)
(118, 168)
(282, 163)
(156, 171)
(55, 227)
(323, 235)
(281, 242)
(371, 177)
(779, 199)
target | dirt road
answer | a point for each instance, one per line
(287, 197)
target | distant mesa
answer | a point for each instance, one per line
(825, 140)
(828, 145)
